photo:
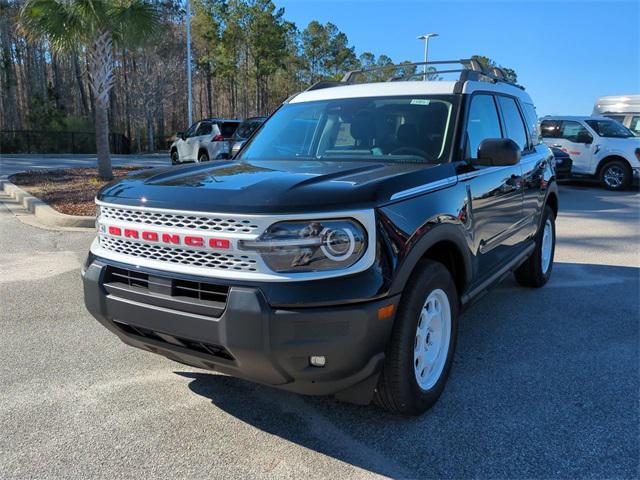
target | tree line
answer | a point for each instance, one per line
(120, 65)
(246, 57)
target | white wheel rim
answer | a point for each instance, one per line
(433, 334)
(547, 245)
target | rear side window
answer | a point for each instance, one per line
(531, 119)
(483, 123)
(550, 129)
(513, 121)
(204, 129)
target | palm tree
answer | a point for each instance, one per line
(94, 27)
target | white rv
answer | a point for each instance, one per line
(623, 108)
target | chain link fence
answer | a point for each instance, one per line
(34, 141)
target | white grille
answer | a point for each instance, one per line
(199, 222)
(182, 256)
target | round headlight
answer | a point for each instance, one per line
(338, 244)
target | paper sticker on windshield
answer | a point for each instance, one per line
(419, 101)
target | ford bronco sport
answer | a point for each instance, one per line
(334, 255)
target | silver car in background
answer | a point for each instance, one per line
(247, 128)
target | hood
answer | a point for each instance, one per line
(288, 186)
(620, 146)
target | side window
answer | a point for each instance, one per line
(513, 121)
(550, 129)
(574, 132)
(191, 131)
(531, 118)
(344, 138)
(483, 123)
(204, 129)
(634, 126)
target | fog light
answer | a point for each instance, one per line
(318, 361)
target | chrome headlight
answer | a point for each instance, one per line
(309, 246)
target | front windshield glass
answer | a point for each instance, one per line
(610, 128)
(414, 129)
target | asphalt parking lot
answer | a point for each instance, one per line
(545, 382)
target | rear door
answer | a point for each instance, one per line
(496, 192)
(534, 161)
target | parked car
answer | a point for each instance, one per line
(599, 147)
(622, 108)
(205, 140)
(335, 254)
(244, 131)
(562, 162)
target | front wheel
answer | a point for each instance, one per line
(536, 271)
(420, 353)
(175, 158)
(615, 175)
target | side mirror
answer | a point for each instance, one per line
(497, 152)
(584, 137)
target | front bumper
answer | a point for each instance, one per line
(250, 339)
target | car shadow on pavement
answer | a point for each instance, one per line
(536, 390)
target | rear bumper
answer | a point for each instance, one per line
(250, 339)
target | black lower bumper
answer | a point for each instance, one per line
(249, 339)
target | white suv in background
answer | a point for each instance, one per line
(205, 140)
(598, 146)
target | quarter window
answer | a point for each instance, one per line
(483, 123)
(513, 121)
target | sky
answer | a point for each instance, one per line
(566, 53)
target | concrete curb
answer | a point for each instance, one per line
(43, 212)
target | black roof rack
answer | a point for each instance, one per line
(470, 69)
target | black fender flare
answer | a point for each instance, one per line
(552, 189)
(444, 232)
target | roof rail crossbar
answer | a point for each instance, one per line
(473, 70)
(324, 84)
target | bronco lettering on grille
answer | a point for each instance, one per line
(170, 238)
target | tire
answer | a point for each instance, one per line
(536, 271)
(203, 157)
(399, 389)
(615, 175)
(175, 158)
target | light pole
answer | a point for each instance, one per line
(426, 51)
(188, 28)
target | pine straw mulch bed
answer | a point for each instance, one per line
(71, 191)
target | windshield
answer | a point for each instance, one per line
(415, 129)
(610, 128)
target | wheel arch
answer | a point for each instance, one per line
(610, 158)
(445, 244)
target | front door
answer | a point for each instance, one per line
(185, 145)
(574, 139)
(495, 193)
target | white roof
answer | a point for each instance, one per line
(388, 89)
